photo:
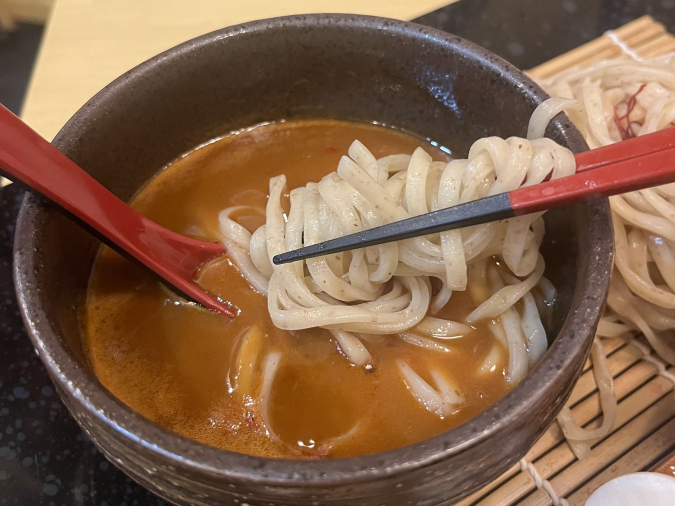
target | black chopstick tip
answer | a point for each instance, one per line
(493, 208)
(290, 256)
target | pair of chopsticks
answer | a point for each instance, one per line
(631, 165)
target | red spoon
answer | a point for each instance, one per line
(29, 158)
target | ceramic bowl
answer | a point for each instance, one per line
(359, 68)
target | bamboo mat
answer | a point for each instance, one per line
(643, 37)
(644, 432)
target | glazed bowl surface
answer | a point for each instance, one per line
(346, 67)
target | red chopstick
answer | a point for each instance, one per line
(627, 166)
(626, 150)
(629, 175)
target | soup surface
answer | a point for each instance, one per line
(173, 362)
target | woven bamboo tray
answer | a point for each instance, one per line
(644, 433)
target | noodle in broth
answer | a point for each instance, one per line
(387, 289)
(337, 356)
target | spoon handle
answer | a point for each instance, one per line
(29, 158)
(26, 156)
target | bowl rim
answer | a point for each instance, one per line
(92, 396)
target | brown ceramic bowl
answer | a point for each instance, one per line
(325, 66)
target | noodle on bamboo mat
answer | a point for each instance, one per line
(644, 430)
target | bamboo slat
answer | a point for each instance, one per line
(667, 464)
(610, 345)
(587, 53)
(560, 457)
(644, 36)
(618, 362)
(584, 412)
(635, 460)
(613, 448)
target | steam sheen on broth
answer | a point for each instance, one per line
(178, 364)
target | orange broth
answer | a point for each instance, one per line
(170, 360)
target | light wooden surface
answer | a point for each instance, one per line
(88, 43)
(30, 11)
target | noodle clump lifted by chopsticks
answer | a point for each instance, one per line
(387, 289)
(611, 101)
